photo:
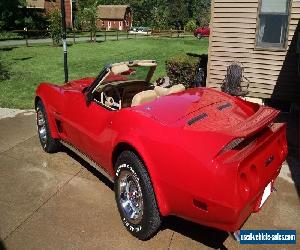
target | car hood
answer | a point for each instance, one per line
(78, 84)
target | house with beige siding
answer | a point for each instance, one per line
(262, 35)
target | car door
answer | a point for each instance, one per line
(88, 127)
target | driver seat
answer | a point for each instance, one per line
(143, 97)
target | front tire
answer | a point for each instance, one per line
(49, 144)
(135, 197)
(199, 36)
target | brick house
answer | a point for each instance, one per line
(117, 17)
(47, 5)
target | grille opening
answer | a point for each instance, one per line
(224, 106)
(200, 204)
(59, 126)
(241, 143)
(251, 139)
(197, 118)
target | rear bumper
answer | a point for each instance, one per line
(235, 196)
(228, 218)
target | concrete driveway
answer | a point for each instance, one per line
(59, 202)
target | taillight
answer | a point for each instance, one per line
(248, 181)
(244, 185)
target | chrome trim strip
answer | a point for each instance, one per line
(87, 159)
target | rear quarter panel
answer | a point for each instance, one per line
(180, 164)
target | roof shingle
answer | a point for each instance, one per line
(113, 12)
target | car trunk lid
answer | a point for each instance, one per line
(235, 121)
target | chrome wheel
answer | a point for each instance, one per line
(130, 197)
(41, 125)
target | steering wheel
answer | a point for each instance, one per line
(109, 100)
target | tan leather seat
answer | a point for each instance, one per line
(176, 88)
(160, 91)
(143, 97)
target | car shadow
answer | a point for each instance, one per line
(2, 246)
(23, 58)
(89, 168)
(207, 236)
(292, 132)
(7, 48)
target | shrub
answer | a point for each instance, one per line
(191, 25)
(182, 69)
(9, 36)
(55, 26)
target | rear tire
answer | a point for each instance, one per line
(135, 197)
(49, 144)
(199, 36)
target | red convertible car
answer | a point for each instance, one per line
(198, 154)
(202, 32)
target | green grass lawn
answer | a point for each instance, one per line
(31, 65)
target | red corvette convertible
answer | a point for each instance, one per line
(199, 154)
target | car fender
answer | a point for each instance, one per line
(49, 94)
(134, 142)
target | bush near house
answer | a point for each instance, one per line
(9, 36)
(182, 69)
(191, 25)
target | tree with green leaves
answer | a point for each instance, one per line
(166, 13)
(10, 12)
(87, 16)
(55, 28)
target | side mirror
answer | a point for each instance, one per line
(88, 97)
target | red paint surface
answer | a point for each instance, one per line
(203, 31)
(186, 163)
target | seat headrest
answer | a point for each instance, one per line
(176, 88)
(161, 91)
(143, 97)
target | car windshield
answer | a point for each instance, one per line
(136, 70)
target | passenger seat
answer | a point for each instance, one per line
(143, 97)
(176, 89)
(160, 91)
